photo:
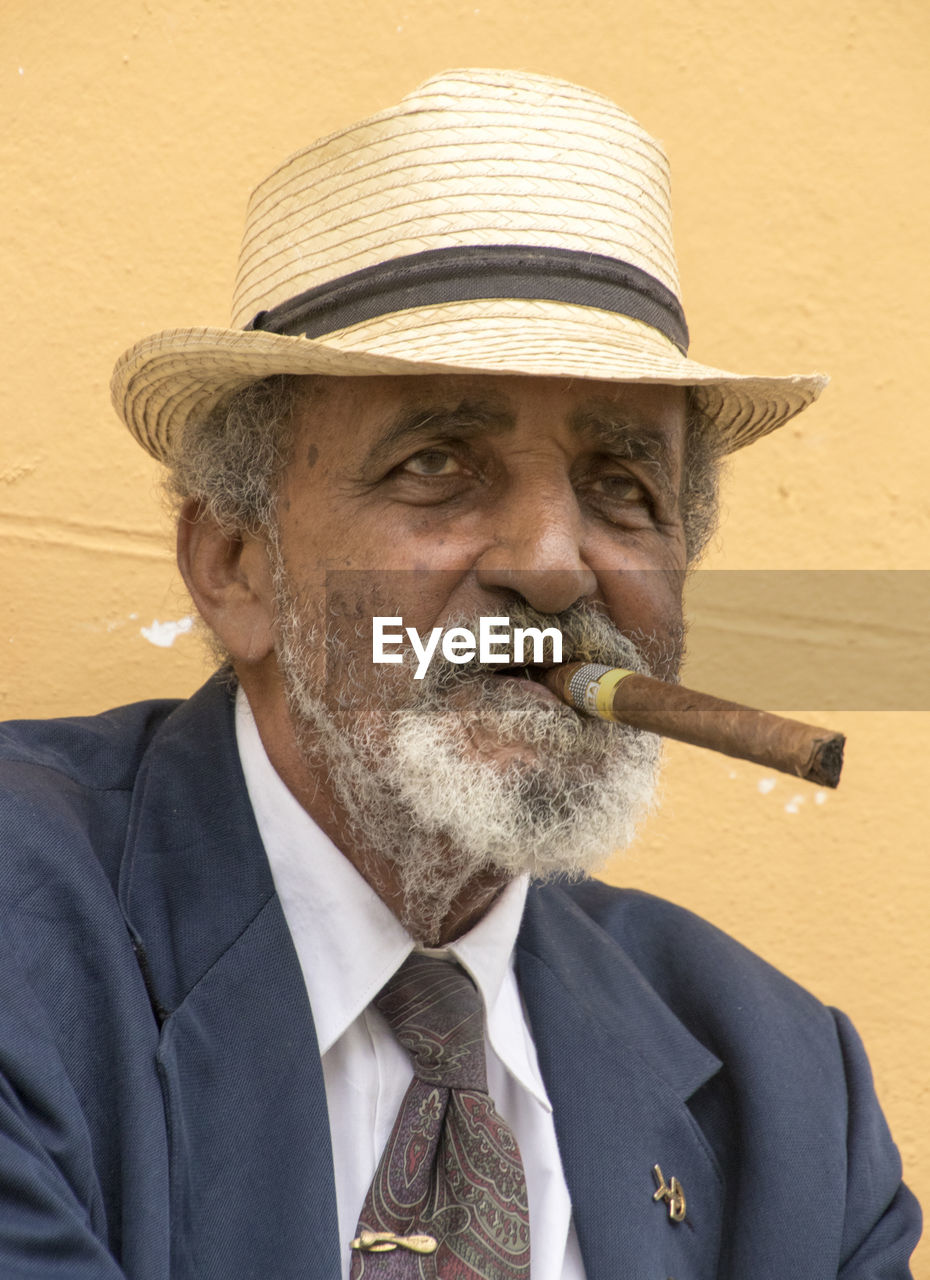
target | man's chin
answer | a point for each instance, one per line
(512, 754)
(488, 750)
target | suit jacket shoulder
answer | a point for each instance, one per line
(55, 776)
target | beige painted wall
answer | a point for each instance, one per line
(131, 133)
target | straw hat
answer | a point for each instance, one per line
(493, 222)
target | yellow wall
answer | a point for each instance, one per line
(131, 134)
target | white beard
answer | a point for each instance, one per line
(403, 765)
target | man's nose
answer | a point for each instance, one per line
(538, 550)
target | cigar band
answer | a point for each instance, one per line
(592, 689)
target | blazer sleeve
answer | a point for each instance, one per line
(883, 1218)
(52, 1221)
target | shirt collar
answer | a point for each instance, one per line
(348, 942)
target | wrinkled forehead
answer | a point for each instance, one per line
(352, 416)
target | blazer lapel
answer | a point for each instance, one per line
(250, 1158)
(619, 1068)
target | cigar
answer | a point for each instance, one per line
(612, 693)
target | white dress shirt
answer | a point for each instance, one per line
(349, 944)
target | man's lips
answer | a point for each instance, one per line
(531, 678)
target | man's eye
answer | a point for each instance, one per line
(623, 489)
(432, 462)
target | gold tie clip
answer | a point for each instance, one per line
(385, 1241)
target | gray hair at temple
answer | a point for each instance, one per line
(233, 459)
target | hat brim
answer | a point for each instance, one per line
(167, 379)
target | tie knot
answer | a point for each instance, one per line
(436, 1014)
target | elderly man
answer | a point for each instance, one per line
(302, 977)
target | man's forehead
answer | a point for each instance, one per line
(377, 412)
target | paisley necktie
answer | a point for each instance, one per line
(448, 1200)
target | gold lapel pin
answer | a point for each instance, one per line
(672, 1192)
(385, 1241)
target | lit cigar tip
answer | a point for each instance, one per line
(826, 763)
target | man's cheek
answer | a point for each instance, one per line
(647, 608)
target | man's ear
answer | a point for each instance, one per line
(229, 578)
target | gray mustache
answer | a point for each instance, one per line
(587, 636)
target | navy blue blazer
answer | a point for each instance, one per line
(162, 1111)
